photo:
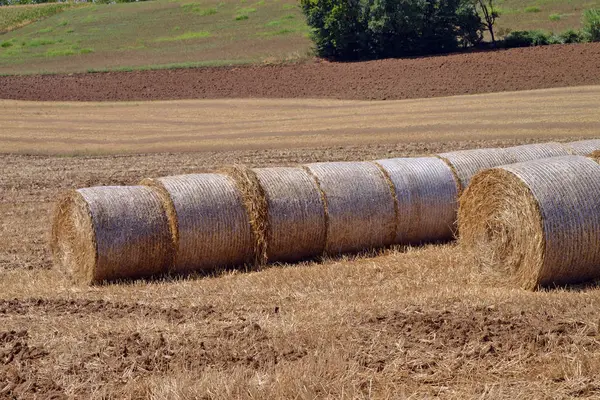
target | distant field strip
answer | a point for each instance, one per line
(209, 125)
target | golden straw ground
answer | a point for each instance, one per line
(109, 233)
(538, 221)
(209, 223)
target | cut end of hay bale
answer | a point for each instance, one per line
(255, 202)
(111, 233)
(539, 221)
(73, 240)
(500, 222)
(595, 155)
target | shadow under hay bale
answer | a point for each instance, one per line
(583, 147)
(536, 151)
(427, 198)
(296, 226)
(539, 220)
(360, 206)
(466, 163)
(110, 233)
(209, 224)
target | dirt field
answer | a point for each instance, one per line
(407, 323)
(486, 72)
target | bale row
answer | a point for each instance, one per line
(466, 163)
(540, 220)
(252, 216)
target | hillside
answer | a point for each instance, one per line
(163, 34)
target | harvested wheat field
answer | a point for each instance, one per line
(404, 322)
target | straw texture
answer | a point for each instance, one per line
(209, 224)
(296, 215)
(539, 219)
(109, 233)
(360, 207)
(427, 198)
(530, 152)
(466, 163)
(584, 147)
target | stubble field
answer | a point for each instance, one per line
(402, 323)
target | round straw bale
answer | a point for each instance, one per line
(595, 155)
(466, 163)
(536, 151)
(427, 198)
(209, 223)
(109, 233)
(583, 147)
(296, 215)
(360, 207)
(539, 220)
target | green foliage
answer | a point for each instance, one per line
(542, 38)
(242, 17)
(196, 8)
(591, 24)
(555, 17)
(6, 44)
(527, 38)
(532, 9)
(14, 17)
(185, 36)
(366, 29)
(572, 36)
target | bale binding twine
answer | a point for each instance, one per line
(359, 204)
(209, 224)
(110, 233)
(539, 220)
(584, 147)
(466, 163)
(426, 194)
(536, 151)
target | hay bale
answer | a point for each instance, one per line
(583, 147)
(296, 214)
(466, 163)
(109, 233)
(595, 155)
(539, 220)
(427, 198)
(209, 224)
(360, 206)
(536, 151)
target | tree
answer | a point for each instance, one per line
(370, 29)
(490, 14)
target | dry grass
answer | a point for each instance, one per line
(223, 125)
(539, 220)
(414, 322)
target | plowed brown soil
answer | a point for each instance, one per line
(484, 72)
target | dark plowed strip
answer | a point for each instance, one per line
(483, 72)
